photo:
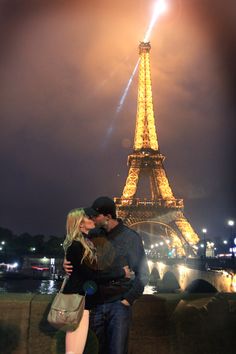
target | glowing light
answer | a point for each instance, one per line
(231, 223)
(161, 267)
(204, 231)
(210, 244)
(39, 268)
(234, 283)
(182, 269)
(9, 266)
(160, 8)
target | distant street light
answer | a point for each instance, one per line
(4, 249)
(204, 231)
(231, 224)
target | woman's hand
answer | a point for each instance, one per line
(128, 272)
(125, 302)
(67, 266)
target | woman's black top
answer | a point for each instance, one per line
(84, 278)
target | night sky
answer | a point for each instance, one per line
(63, 68)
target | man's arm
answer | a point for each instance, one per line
(114, 273)
(138, 263)
(67, 266)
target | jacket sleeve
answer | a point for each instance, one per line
(75, 255)
(138, 263)
(101, 276)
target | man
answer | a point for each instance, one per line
(116, 244)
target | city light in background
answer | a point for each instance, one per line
(230, 222)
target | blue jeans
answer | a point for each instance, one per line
(110, 322)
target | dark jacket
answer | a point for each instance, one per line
(121, 244)
(84, 277)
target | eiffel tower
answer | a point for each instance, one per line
(146, 161)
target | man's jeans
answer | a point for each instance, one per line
(110, 322)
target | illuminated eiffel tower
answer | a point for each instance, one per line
(146, 161)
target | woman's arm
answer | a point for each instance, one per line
(75, 255)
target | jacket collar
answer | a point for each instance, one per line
(116, 230)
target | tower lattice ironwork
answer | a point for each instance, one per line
(146, 160)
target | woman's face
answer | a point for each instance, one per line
(86, 225)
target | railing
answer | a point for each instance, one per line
(167, 203)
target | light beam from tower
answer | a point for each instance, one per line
(127, 88)
(160, 8)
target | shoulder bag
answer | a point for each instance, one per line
(66, 310)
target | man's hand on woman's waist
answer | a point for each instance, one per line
(68, 267)
(125, 302)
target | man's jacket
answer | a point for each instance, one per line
(119, 247)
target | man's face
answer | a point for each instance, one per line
(100, 220)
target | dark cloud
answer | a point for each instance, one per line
(63, 68)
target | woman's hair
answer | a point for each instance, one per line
(73, 232)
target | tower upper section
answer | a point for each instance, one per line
(145, 131)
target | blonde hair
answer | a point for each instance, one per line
(74, 219)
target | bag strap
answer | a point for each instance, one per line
(66, 277)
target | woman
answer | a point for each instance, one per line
(82, 255)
